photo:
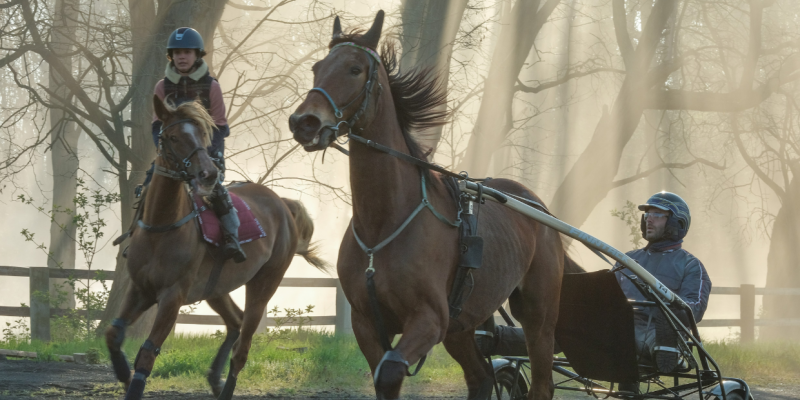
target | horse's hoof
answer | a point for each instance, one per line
(217, 389)
(227, 390)
(135, 389)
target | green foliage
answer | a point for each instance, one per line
(93, 355)
(335, 364)
(630, 216)
(88, 205)
(18, 332)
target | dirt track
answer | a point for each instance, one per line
(25, 379)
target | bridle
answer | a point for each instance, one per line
(180, 173)
(166, 152)
(366, 91)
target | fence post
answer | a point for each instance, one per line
(343, 322)
(40, 306)
(747, 312)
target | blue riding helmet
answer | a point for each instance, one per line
(679, 218)
(185, 38)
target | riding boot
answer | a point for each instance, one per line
(222, 205)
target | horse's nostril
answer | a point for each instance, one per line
(304, 124)
(203, 174)
(309, 123)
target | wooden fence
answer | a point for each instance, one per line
(39, 311)
(747, 310)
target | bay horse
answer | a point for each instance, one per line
(414, 270)
(170, 264)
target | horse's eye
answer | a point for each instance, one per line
(355, 70)
(173, 139)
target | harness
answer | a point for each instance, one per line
(470, 245)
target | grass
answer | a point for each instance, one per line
(758, 363)
(335, 364)
(332, 364)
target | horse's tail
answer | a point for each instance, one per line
(570, 265)
(305, 229)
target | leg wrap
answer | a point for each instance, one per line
(393, 356)
(148, 346)
(136, 389)
(118, 359)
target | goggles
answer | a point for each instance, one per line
(655, 215)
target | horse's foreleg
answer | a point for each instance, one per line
(232, 315)
(132, 308)
(367, 338)
(477, 372)
(168, 307)
(420, 334)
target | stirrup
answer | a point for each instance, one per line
(232, 249)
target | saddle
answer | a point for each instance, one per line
(249, 229)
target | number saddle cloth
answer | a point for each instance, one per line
(249, 229)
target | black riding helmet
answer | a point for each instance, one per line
(679, 218)
(186, 38)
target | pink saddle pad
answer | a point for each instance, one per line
(249, 229)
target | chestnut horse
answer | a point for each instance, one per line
(170, 263)
(414, 273)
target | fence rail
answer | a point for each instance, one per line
(747, 321)
(40, 312)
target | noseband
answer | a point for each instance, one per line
(366, 91)
(181, 171)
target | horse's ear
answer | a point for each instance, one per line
(373, 35)
(337, 27)
(161, 110)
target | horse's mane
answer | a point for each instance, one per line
(195, 111)
(418, 94)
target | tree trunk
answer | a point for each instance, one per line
(782, 270)
(151, 28)
(429, 30)
(64, 148)
(590, 179)
(494, 115)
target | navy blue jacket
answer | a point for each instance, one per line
(679, 270)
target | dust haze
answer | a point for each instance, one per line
(591, 104)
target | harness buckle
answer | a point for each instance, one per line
(338, 113)
(187, 163)
(370, 268)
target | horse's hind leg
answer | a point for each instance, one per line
(168, 307)
(259, 290)
(232, 315)
(536, 307)
(477, 372)
(132, 308)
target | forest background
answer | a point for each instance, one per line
(592, 104)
